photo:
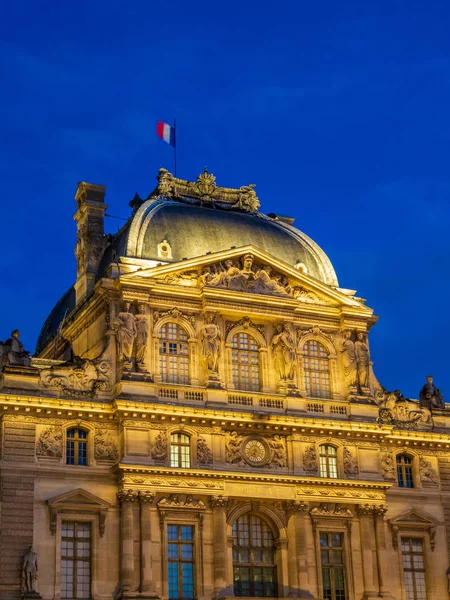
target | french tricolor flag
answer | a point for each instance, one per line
(166, 132)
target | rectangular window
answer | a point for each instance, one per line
(76, 560)
(333, 568)
(180, 550)
(414, 569)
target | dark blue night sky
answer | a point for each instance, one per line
(338, 111)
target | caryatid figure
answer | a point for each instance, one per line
(29, 571)
(125, 328)
(211, 339)
(141, 323)
(362, 360)
(348, 356)
(284, 350)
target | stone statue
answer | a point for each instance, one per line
(12, 352)
(362, 361)
(430, 396)
(211, 338)
(141, 340)
(284, 352)
(240, 281)
(29, 571)
(125, 328)
(348, 356)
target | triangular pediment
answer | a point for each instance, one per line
(247, 270)
(414, 517)
(78, 498)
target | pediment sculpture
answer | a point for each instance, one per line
(395, 409)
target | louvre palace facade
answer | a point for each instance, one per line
(201, 420)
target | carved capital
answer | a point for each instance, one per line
(127, 496)
(294, 506)
(219, 501)
(146, 497)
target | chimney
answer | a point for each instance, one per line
(91, 239)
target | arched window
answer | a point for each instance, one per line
(173, 354)
(76, 447)
(180, 450)
(245, 362)
(328, 461)
(404, 471)
(254, 570)
(317, 371)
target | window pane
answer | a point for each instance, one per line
(173, 354)
(245, 363)
(413, 568)
(181, 561)
(333, 571)
(76, 560)
(316, 368)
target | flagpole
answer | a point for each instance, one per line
(175, 147)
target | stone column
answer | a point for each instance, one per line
(219, 519)
(292, 509)
(127, 499)
(368, 552)
(380, 541)
(146, 501)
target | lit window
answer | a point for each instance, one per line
(254, 570)
(245, 362)
(76, 447)
(404, 471)
(414, 569)
(317, 372)
(173, 354)
(180, 551)
(328, 461)
(333, 569)
(180, 450)
(76, 560)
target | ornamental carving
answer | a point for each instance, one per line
(324, 510)
(350, 463)
(127, 496)
(395, 409)
(181, 501)
(255, 451)
(204, 454)
(246, 323)
(205, 191)
(219, 501)
(105, 447)
(175, 314)
(80, 377)
(310, 459)
(427, 472)
(388, 467)
(314, 330)
(159, 447)
(49, 443)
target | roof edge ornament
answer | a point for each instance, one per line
(205, 192)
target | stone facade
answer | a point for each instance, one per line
(226, 391)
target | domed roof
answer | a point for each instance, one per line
(193, 230)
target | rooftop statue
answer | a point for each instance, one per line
(12, 352)
(430, 396)
(205, 191)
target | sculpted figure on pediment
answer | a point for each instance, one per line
(395, 409)
(284, 350)
(13, 353)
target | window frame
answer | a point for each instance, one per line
(180, 445)
(250, 565)
(237, 381)
(342, 547)
(76, 440)
(76, 559)
(403, 468)
(411, 536)
(170, 518)
(164, 357)
(326, 394)
(180, 560)
(326, 456)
